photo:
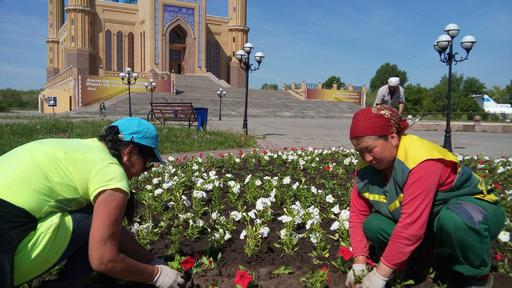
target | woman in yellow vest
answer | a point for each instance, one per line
(413, 205)
(66, 198)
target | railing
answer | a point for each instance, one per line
(65, 74)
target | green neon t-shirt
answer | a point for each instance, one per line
(56, 175)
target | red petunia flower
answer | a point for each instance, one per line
(201, 154)
(242, 278)
(497, 186)
(327, 168)
(499, 256)
(188, 263)
(327, 276)
(345, 253)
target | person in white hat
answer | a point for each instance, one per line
(391, 94)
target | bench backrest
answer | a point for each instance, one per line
(181, 110)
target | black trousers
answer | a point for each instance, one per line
(15, 224)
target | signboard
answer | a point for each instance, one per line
(96, 88)
(52, 101)
(335, 95)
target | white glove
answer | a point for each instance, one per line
(158, 261)
(374, 280)
(167, 278)
(357, 270)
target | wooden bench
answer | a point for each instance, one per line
(168, 111)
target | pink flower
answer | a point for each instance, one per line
(499, 256)
(345, 253)
(242, 278)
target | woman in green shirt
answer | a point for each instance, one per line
(66, 199)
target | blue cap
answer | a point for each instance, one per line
(139, 131)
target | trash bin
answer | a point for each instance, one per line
(202, 118)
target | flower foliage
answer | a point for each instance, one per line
(244, 196)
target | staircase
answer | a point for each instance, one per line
(202, 92)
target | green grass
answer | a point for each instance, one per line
(172, 139)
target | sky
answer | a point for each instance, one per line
(313, 40)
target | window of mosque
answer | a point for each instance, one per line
(108, 50)
(119, 51)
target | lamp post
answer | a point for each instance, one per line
(221, 94)
(129, 78)
(243, 56)
(444, 46)
(151, 87)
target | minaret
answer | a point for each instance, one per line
(238, 36)
(55, 21)
(78, 50)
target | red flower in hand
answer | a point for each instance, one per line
(242, 278)
(345, 253)
(188, 263)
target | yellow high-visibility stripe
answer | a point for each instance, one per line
(374, 197)
(397, 203)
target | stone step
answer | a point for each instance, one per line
(202, 92)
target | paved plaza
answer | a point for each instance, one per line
(325, 133)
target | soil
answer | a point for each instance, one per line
(262, 264)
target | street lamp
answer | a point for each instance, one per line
(129, 78)
(221, 94)
(243, 56)
(444, 46)
(151, 87)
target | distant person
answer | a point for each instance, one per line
(72, 208)
(103, 109)
(391, 94)
(414, 205)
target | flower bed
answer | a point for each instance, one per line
(269, 218)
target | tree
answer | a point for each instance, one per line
(383, 73)
(328, 84)
(266, 86)
(417, 99)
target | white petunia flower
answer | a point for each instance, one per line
(215, 215)
(346, 224)
(199, 222)
(257, 182)
(314, 190)
(335, 226)
(329, 198)
(235, 215)
(198, 194)
(158, 191)
(247, 179)
(336, 209)
(504, 236)
(264, 231)
(228, 175)
(252, 214)
(242, 235)
(345, 214)
(262, 203)
(285, 218)
(227, 236)
(294, 186)
(156, 180)
(287, 180)
(212, 173)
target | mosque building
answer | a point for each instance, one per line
(101, 37)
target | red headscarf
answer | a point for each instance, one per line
(377, 121)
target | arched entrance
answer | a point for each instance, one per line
(179, 49)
